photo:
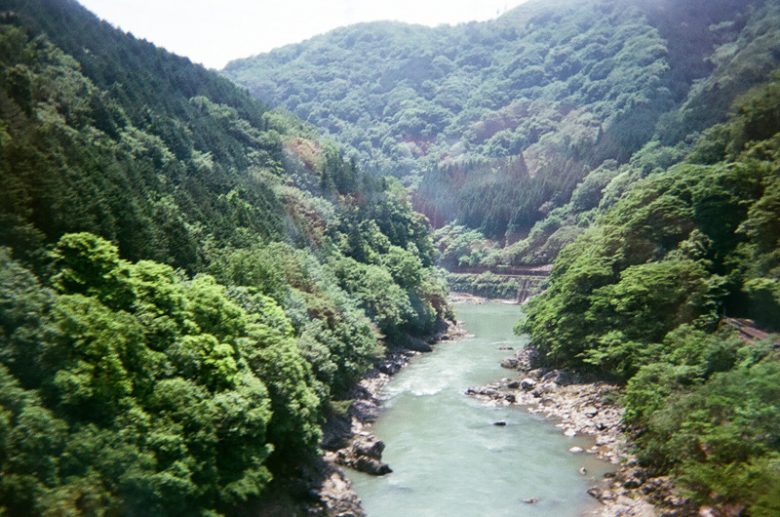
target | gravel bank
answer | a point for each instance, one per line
(587, 407)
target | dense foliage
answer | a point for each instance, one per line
(187, 280)
(640, 294)
(496, 123)
(128, 388)
(487, 284)
(460, 246)
(735, 66)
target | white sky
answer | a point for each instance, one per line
(213, 32)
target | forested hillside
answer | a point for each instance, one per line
(504, 124)
(191, 281)
(642, 294)
(636, 144)
(188, 281)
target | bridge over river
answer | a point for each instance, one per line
(519, 282)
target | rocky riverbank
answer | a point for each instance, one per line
(347, 439)
(587, 407)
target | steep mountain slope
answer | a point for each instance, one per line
(641, 296)
(187, 280)
(496, 123)
(737, 66)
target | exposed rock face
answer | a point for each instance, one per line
(347, 444)
(364, 455)
(391, 365)
(561, 377)
(369, 446)
(371, 466)
(336, 433)
(337, 495)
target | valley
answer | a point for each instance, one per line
(212, 282)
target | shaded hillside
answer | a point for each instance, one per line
(188, 281)
(495, 124)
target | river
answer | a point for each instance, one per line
(448, 458)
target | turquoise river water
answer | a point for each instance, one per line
(448, 458)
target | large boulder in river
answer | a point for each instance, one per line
(369, 446)
(364, 455)
(371, 466)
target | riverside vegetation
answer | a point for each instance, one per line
(188, 280)
(634, 143)
(191, 281)
(639, 297)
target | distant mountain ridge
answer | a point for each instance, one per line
(635, 144)
(494, 124)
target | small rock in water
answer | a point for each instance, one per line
(583, 471)
(570, 432)
(531, 500)
(595, 492)
(576, 450)
(500, 423)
